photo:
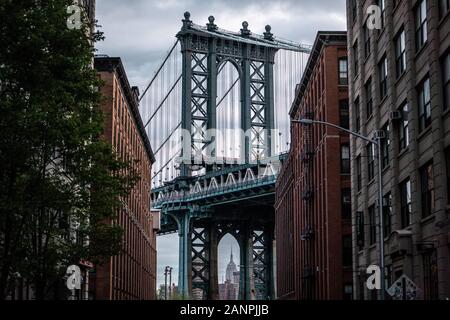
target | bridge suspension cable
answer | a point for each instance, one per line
(288, 71)
(160, 68)
(161, 113)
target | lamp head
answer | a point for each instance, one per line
(304, 121)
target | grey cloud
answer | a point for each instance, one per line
(167, 250)
(141, 31)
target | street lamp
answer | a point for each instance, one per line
(170, 283)
(166, 272)
(377, 142)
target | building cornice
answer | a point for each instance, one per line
(323, 39)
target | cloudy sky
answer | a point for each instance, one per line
(142, 31)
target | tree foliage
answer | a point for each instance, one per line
(60, 182)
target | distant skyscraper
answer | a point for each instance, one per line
(230, 289)
(231, 269)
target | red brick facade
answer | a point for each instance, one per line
(132, 274)
(312, 220)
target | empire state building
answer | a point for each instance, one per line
(229, 290)
(231, 269)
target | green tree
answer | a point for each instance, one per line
(59, 179)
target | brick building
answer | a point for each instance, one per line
(313, 210)
(89, 6)
(132, 274)
(399, 83)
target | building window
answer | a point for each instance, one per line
(343, 71)
(343, 114)
(424, 104)
(360, 229)
(387, 214)
(446, 79)
(421, 24)
(404, 128)
(367, 46)
(369, 98)
(430, 275)
(444, 7)
(357, 115)
(345, 159)
(405, 202)
(447, 161)
(385, 144)
(382, 68)
(382, 5)
(427, 188)
(347, 251)
(354, 10)
(358, 173)
(348, 291)
(371, 161)
(400, 53)
(346, 206)
(356, 58)
(372, 225)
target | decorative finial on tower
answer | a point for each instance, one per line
(268, 35)
(186, 21)
(211, 26)
(245, 31)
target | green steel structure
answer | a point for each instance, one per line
(236, 200)
(210, 197)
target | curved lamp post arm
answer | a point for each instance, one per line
(309, 122)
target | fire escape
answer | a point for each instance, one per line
(307, 236)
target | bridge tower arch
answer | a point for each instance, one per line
(208, 199)
(204, 51)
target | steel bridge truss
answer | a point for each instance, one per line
(204, 52)
(199, 208)
(200, 234)
(201, 200)
(189, 96)
(228, 185)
